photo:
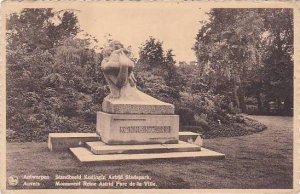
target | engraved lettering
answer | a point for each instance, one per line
(145, 129)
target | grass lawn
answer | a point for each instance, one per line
(262, 160)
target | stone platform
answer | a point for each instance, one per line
(134, 129)
(100, 148)
(88, 148)
(86, 156)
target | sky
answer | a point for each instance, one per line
(175, 24)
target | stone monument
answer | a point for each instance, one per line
(128, 115)
(132, 125)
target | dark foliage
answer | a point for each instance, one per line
(247, 54)
(56, 83)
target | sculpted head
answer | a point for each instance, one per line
(110, 47)
(117, 68)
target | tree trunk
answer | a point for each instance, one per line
(259, 102)
(241, 93)
(278, 105)
(287, 106)
(235, 94)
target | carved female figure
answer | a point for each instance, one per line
(117, 69)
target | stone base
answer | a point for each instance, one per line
(87, 148)
(125, 129)
(86, 156)
(137, 103)
(100, 148)
(63, 141)
(191, 137)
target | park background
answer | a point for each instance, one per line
(244, 64)
(240, 62)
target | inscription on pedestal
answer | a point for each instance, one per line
(145, 129)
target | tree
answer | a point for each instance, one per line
(53, 75)
(230, 39)
(151, 53)
(232, 48)
(170, 67)
(67, 27)
(278, 76)
(156, 71)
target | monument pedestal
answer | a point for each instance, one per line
(132, 124)
(132, 129)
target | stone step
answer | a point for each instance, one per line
(101, 148)
(86, 156)
(63, 141)
(191, 137)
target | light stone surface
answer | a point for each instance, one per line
(127, 149)
(136, 102)
(122, 129)
(188, 133)
(101, 148)
(198, 141)
(124, 97)
(182, 147)
(188, 136)
(63, 141)
(86, 156)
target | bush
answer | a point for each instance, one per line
(202, 123)
(186, 116)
